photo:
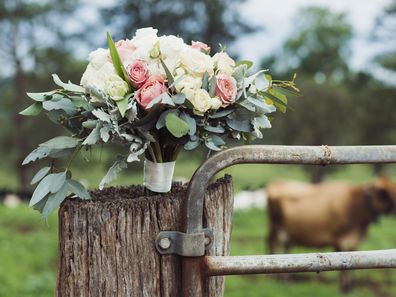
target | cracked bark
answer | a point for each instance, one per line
(106, 245)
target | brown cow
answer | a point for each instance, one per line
(335, 214)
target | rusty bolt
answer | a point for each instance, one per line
(164, 243)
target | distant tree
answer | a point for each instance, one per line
(384, 30)
(210, 21)
(31, 40)
(317, 51)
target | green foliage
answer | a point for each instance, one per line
(175, 125)
(115, 57)
(32, 110)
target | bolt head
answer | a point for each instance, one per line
(164, 243)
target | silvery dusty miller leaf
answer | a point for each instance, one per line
(113, 172)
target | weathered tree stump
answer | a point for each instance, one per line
(107, 244)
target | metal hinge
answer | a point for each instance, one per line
(184, 244)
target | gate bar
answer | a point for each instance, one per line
(312, 262)
(275, 154)
(193, 276)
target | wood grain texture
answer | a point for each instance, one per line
(106, 245)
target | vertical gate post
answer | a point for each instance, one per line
(107, 244)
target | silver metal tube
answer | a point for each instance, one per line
(274, 154)
(314, 262)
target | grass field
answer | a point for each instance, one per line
(28, 246)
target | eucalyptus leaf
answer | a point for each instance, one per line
(40, 175)
(266, 108)
(81, 102)
(64, 104)
(36, 154)
(205, 81)
(78, 189)
(49, 184)
(57, 116)
(179, 98)
(40, 96)
(32, 110)
(262, 122)
(60, 153)
(155, 101)
(42, 152)
(57, 181)
(242, 126)
(191, 145)
(248, 105)
(67, 86)
(166, 99)
(210, 145)
(214, 129)
(175, 125)
(190, 121)
(39, 206)
(113, 171)
(54, 200)
(161, 120)
(60, 142)
(212, 86)
(220, 114)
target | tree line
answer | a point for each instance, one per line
(338, 106)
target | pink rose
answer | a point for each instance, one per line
(151, 89)
(201, 46)
(137, 73)
(125, 48)
(226, 88)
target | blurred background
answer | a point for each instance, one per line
(344, 54)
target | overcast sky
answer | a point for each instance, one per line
(276, 16)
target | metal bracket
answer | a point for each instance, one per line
(183, 244)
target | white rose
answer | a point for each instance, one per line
(200, 99)
(215, 103)
(98, 58)
(171, 46)
(116, 87)
(144, 40)
(224, 63)
(146, 35)
(94, 77)
(196, 62)
(155, 69)
(187, 82)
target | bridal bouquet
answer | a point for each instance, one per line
(156, 95)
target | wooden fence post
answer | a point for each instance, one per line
(106, 245)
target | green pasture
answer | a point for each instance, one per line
(28, 245)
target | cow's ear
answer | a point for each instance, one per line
(385, 198)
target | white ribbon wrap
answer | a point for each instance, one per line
(158, 176)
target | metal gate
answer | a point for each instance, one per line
(192, 243)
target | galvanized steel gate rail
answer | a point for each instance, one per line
(192, 243)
